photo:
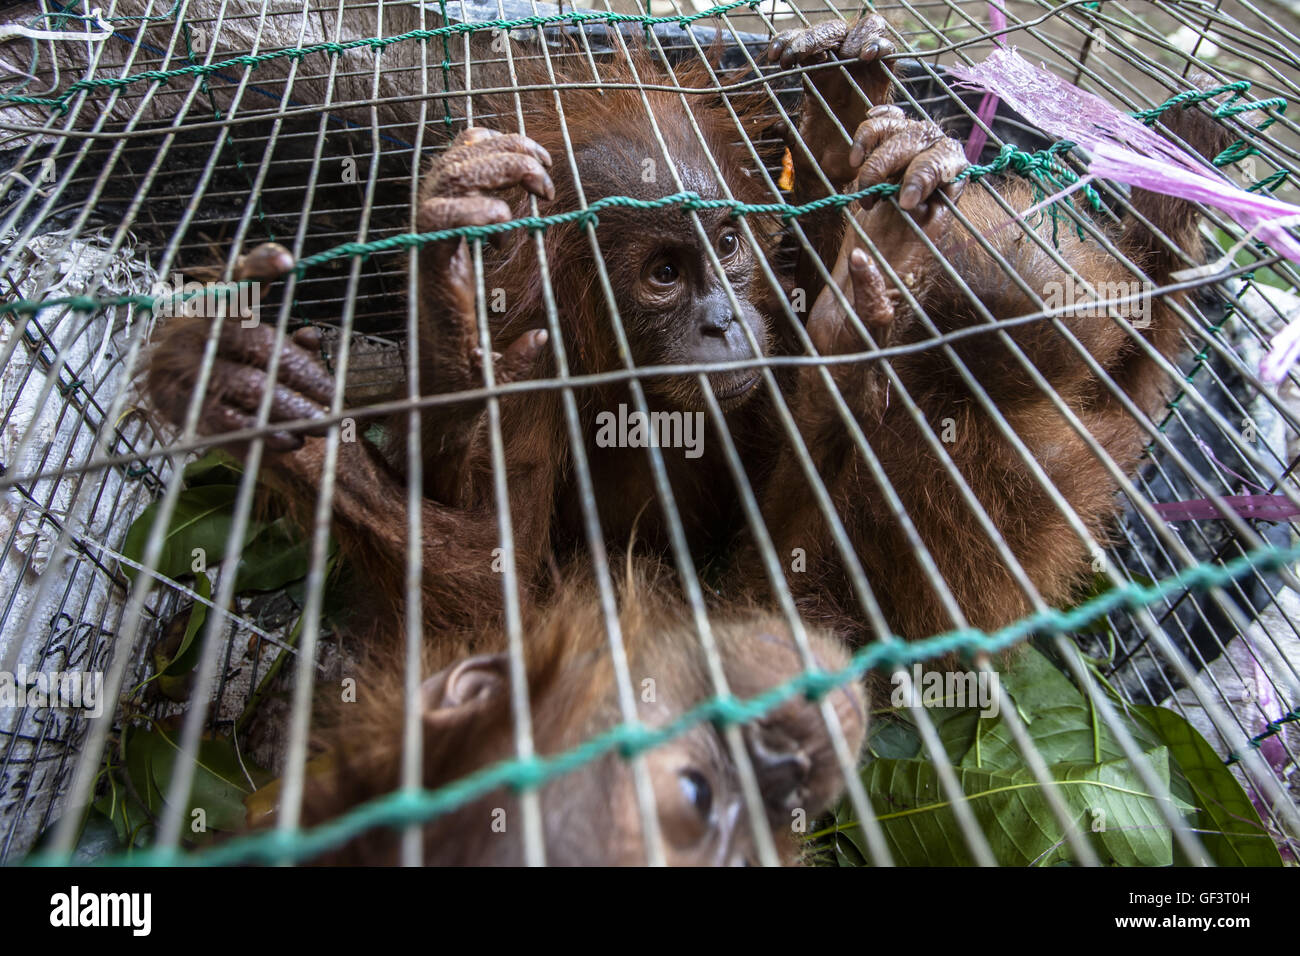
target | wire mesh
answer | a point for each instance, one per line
(150, 140)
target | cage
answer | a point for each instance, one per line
(192, 629)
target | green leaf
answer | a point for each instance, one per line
(130, 822)
(277, 556)
(130, 808)
(173, 667)
(1233, 833)
(215, 468)
(1013, 814)
(1036, 683)
(1098, 785)
(220, 784)
(273, 555)
(202, 519)
(186, 655)
(957, 727)
(1059, 719)
(99, 838)
(893, 737)
(149, 760)
(138, 750)
(846, 852)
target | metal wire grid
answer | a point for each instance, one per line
(1109, 49)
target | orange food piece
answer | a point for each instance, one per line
(786, 182)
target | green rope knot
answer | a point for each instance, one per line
(691, 202)
(408, 804)
(1271, 729)
(818, 683)
(1188, 97)
(1235, 153)
(888, 657)
(1045, 164)
(283, 842)
(1241, 149)
(1272, 103)
(636, 739)
(1023, 163)
(528, 773)
(726, 711)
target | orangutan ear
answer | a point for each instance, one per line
(460, 691)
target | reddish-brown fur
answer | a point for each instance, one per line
(570, 679)
(608, 135)
(462, 581)
(1033, 527)
(589, 815)
(611, 138)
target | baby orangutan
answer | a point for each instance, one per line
(590, 815)
(681, 296)
(973, 289)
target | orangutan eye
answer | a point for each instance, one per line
(728, 245)
(663, 271)
(697, 791)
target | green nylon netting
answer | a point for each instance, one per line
(405, 808)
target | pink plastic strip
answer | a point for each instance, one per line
(1257, 507)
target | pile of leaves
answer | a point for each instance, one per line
(1108, 802)
(137, 771)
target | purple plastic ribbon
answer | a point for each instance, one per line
(1256, 507)
(989, 104)
(1127, 151)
